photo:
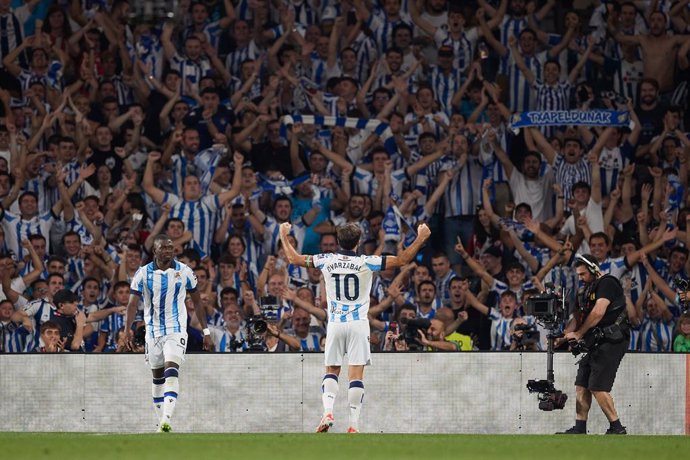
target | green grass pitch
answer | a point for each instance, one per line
(74, 446)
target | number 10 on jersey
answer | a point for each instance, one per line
(349, 287)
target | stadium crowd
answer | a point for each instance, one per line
(118, 126)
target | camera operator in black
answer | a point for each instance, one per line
(601, 314)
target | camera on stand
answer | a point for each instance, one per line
(548, 308)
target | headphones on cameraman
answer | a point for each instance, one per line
(589, 262)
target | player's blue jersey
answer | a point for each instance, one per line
(348, 279)
(163, 293)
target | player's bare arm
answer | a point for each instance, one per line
(294, 257)
(201, 316)
(129, 319)
(406, 256)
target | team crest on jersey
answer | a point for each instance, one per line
(177, 274)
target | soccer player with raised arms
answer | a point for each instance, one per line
(348, 285)
(163, 286)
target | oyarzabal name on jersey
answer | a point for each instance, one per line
(344, 265)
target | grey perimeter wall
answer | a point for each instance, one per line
(415, 393)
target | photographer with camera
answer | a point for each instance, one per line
(232, 337)
(600, 328)
(523, 336)
(433, 339)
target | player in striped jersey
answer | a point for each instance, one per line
(348, 280)
(163, 285)
(195, 210)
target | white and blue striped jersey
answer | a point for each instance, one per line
(626, 76)
(18, 229)
(445, 86)
(38, 185)
(163, 293)
(500, 330)
(310, 343)
(615, 267)
(365, 182)
(568, 174)
(656, 335)
(412, 137)
(197, 216)
(234, 60)
(510, 27)
(40, 311)
(365, 50)
(522, 97)
(190, 70)
(382, 28)
(463, 49)
(464, 191)
(13, 338)
(348, 279)
(499, 287)
(223, 340)
(552, 97)
(110, 326)
(212, 30)
(611, 164)
(11, 35)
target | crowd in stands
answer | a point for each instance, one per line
(120, 122)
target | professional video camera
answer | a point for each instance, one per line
(411, 335)
(258, 324)
(548, 307)
(549, 310)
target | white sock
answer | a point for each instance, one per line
(329, 390)
(157, 390)
(172, 387)
(355, 396)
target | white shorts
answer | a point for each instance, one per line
(160, 350)
(351, 338)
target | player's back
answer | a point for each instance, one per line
(348, 279)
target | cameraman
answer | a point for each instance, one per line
(601, 325)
